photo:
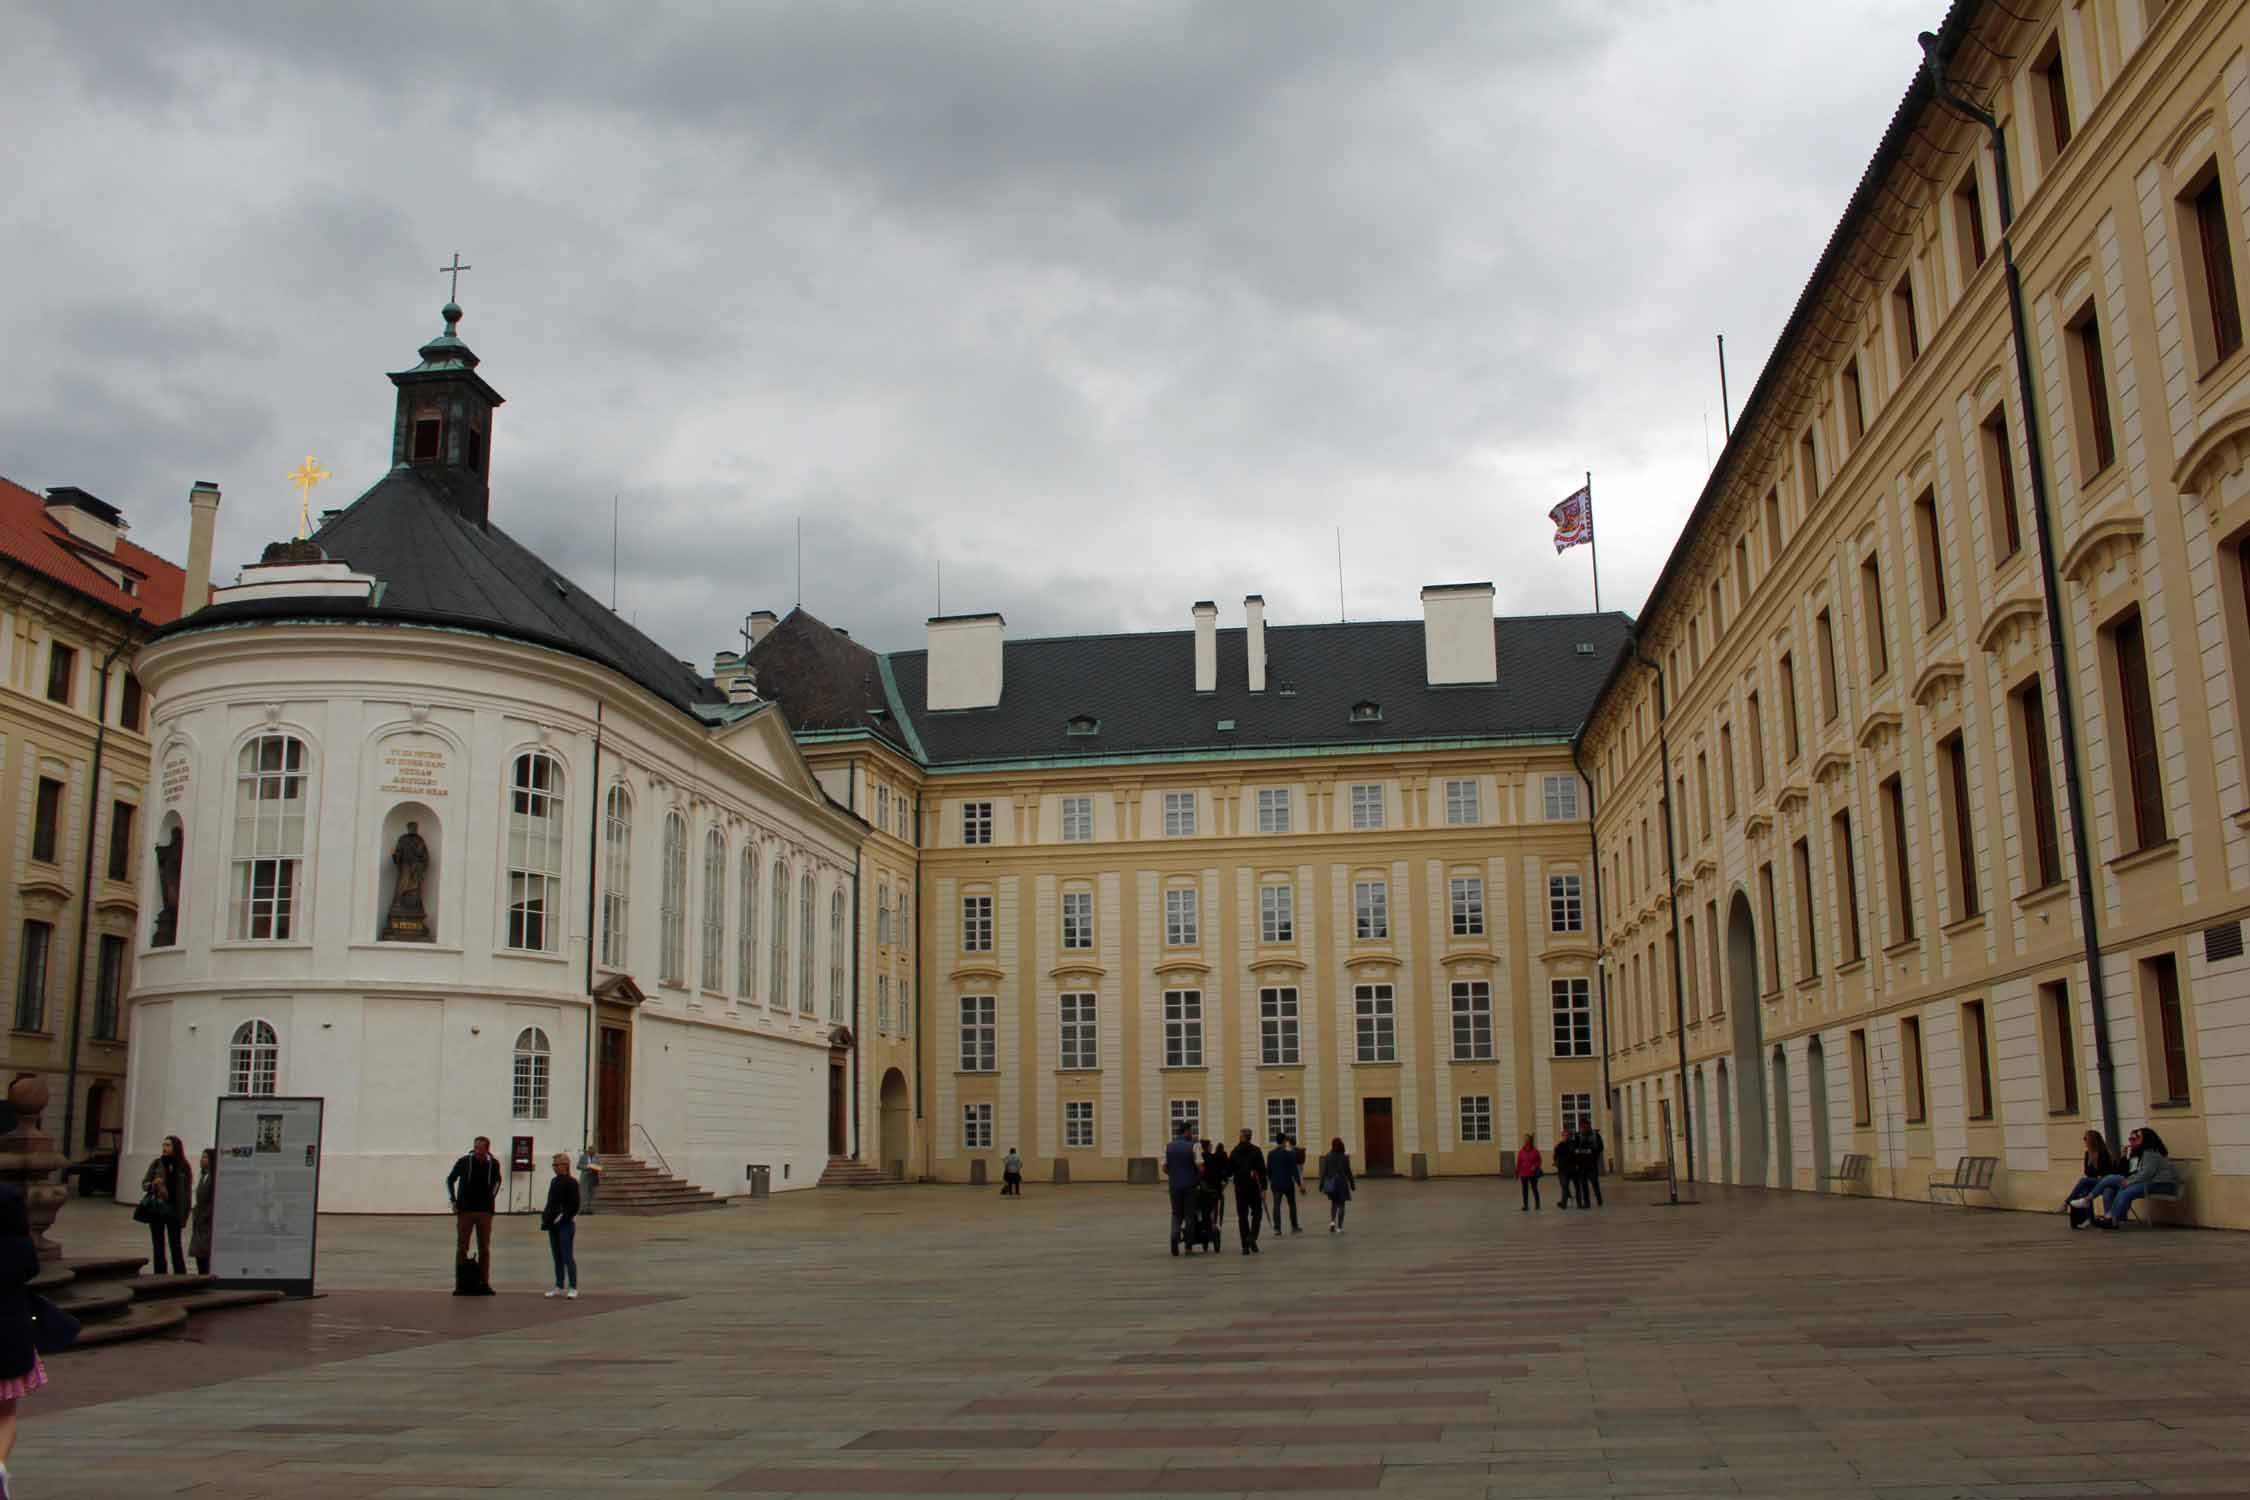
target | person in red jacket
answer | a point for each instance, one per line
(1527, 1173)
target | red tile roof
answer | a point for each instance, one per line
(30, 537)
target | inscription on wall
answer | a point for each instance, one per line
(177, 775)
(418, 773)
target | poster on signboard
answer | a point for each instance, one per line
(265, 1201)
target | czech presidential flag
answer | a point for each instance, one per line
(1574, 520)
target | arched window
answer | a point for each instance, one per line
(532, 1061)
(674, 968)
(746, 940)
(805, 1001)
(617, 873)
(269, 839)
(254, 1060)
(535, 853)
(779, 999)
(714, 910)
(836, 956)
(882, 916)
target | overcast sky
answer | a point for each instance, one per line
(1105, 308)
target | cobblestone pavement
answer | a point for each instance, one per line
(946, 1340)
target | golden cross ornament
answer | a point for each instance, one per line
(304, 477)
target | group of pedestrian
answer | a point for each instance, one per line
(1198, 1182)
(174, 1197)
(1578, 1168)
(2110, 1185)
(473, 1189)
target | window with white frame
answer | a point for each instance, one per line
(905, 1006)
(1476, 1118)
(254, 1060)
(903, 930)
(1462, 802)
(1574, 1016)
(1277, 913)
(1375, 1007)
(882, 1002)
(1561, 798)
(1566, 910)
(1179, 814)
(1078, 1124)
(883, 807)
(1281, 1118)
(882, 916)
(1183, 1028)
(1467, 893)
(976, 822)
(779, 998)
(805, 1001)
(1472, 1020)
(980, 1034)
(1577, 1112)
(617, 874)
(714, 910)
(976, 1127)
(535, 853)
(836, 955)
(1181, 928)
(1367, 806)
(746, 937)
(269, 839)
(533, 1059)
(1188, 1112)
(976, 924)
(673, 969)
(1371, 909)
(1273, 809)
(1279, 1026)
(1079, 1048)
(1078, 919)
(1077, 819)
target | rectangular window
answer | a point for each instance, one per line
(1277, 914)
(1376, 1010)
(976, 924)
(1472, 1021)
(1961, 821)
(1896, 857)
(1863, 1103)
(1767, 908)
(1179, 814)
(1931, 544)
(2217, 304)
(1976, 1061)
(882, 807)
(1461, 802)
(1467, 893)
(31, 977)
(1281, 1120)
(46, 821)
(1273, 809)
(1824, 633)
(2166, 1049)
(1702, 795)
(1278, 1026)
(1907, 327)
(1694, 987)
(1757, 745)
(1718, 612)
(1726, 769)
(1183, 1028)
(1078, 1125)
(2097, 438)
(120, 841)
(1577, 1112)
(1968, 224)
(1808, 945)
(1847, 873)
(2059, 1027)
(2037, 807)
(1077, 819)
(2050, 100)
(1742, 571)
(1999, 460)
(109, 989)
(1181, 928)
(1079, 1048)
(1476, 1119)
(131, 703)
(1367, 806)
(1078, 919)
(1855, 404)
(976, 822)
(1912, 1061)
(1561, 795)
(1371, 910)
(1774, 537)
(1808, 471)
(2136, 712)
(882, 1002)
(1566, 907)
(1572, 1004)
(62, 673)
(1188, 1112)
(980, 1034)
(1791, 735)
(976, 1127)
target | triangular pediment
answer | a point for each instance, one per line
(764, 740)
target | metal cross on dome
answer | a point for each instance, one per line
(453, 289)
(304, 477)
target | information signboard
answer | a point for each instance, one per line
(265, 1203)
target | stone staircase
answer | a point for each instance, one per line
(844, 1171)
(115, 1302)
(632, 1186)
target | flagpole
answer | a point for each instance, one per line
(1593, 542)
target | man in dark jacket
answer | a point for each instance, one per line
(473, 1187)
(1566, 1167)
(1249, 1167)
(1181, 1173)
(1282, 1174)
(1588, 1150)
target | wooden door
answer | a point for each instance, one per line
(612, 1082)
(1377, 1113)
(839, 1140)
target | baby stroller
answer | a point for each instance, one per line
(1210, 1213)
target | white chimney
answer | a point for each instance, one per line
(964, 662)
(1457, 633)
(743, 686)
(761, 622)
(1254, 640)
(203, 527)
(1206, 646)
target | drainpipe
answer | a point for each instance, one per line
(86, 878)
(2058, 654)
(593, 885)
(1672, 904)
(859, 1033)
(1601, 956)
(921, 991)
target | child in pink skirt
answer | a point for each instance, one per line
(21, 1373)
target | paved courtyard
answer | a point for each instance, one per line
(946, 1340)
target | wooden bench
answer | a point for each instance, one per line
(2173, 1194)
(1971, 1174)
(1854, 1170)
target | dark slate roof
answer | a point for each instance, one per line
(435, 568)
(823, 679)
(1141, 689)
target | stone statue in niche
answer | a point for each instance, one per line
(408, 922)
(168, 856)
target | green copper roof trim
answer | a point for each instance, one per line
(904, 720)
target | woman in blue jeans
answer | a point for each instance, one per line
(2151, 1167)
(560, 1220)
(2100, 1162)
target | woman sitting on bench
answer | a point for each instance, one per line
(2151, 1167)
(2100, 1162)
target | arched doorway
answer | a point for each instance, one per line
(894, 1132)
(1784, 1136)
(1816, 1084)
(1749, 1038)
(1726, 1126)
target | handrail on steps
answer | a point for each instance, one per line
(654, 1150)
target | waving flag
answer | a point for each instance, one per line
(1574, 520)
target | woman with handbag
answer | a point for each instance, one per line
(167, 1194)
(28, 1322)
(1337, 1182)
(199, 1237)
